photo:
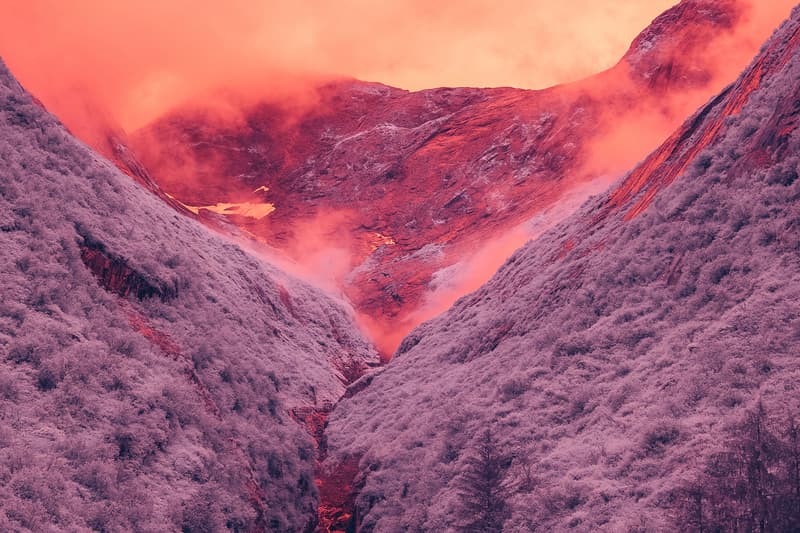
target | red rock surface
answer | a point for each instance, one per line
(116, 276)
(337, 484)
(682, 149)
(402, 185)
(338, 491)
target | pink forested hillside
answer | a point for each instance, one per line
(626, 361)
(149, 369)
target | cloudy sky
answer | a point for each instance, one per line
(139, 58)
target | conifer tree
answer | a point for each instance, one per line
(483, 488)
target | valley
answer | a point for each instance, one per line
(358, 308)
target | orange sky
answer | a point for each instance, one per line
(141, 58)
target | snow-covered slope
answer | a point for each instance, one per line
(610, 357)
(147, 367)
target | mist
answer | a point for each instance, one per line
(137, 60)
(99, 64)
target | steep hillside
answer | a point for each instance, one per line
(147, 367)
(616, 354)
(420, 196)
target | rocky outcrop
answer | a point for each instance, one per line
(117, 276)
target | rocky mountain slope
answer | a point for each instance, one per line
(148, 368)
(610, 358)
(419, 197)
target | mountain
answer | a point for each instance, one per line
(612, 360)
(151, 371)
(411, 199)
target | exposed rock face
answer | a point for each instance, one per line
(117, 276)
(671, 54)
(409, 186)
(610, 356)
(148, 368)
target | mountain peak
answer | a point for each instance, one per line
(670, 52)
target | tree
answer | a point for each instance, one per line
(758, 451)
(483, 488)
(793, 473)
(691, 508)
(751, 486)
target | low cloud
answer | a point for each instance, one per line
(139, 59)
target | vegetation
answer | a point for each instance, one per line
(147, 367)
(484, 487)
(616, 351)
(751, 486)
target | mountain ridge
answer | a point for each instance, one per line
(150, 369)
(611, 357)
(417, 194)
